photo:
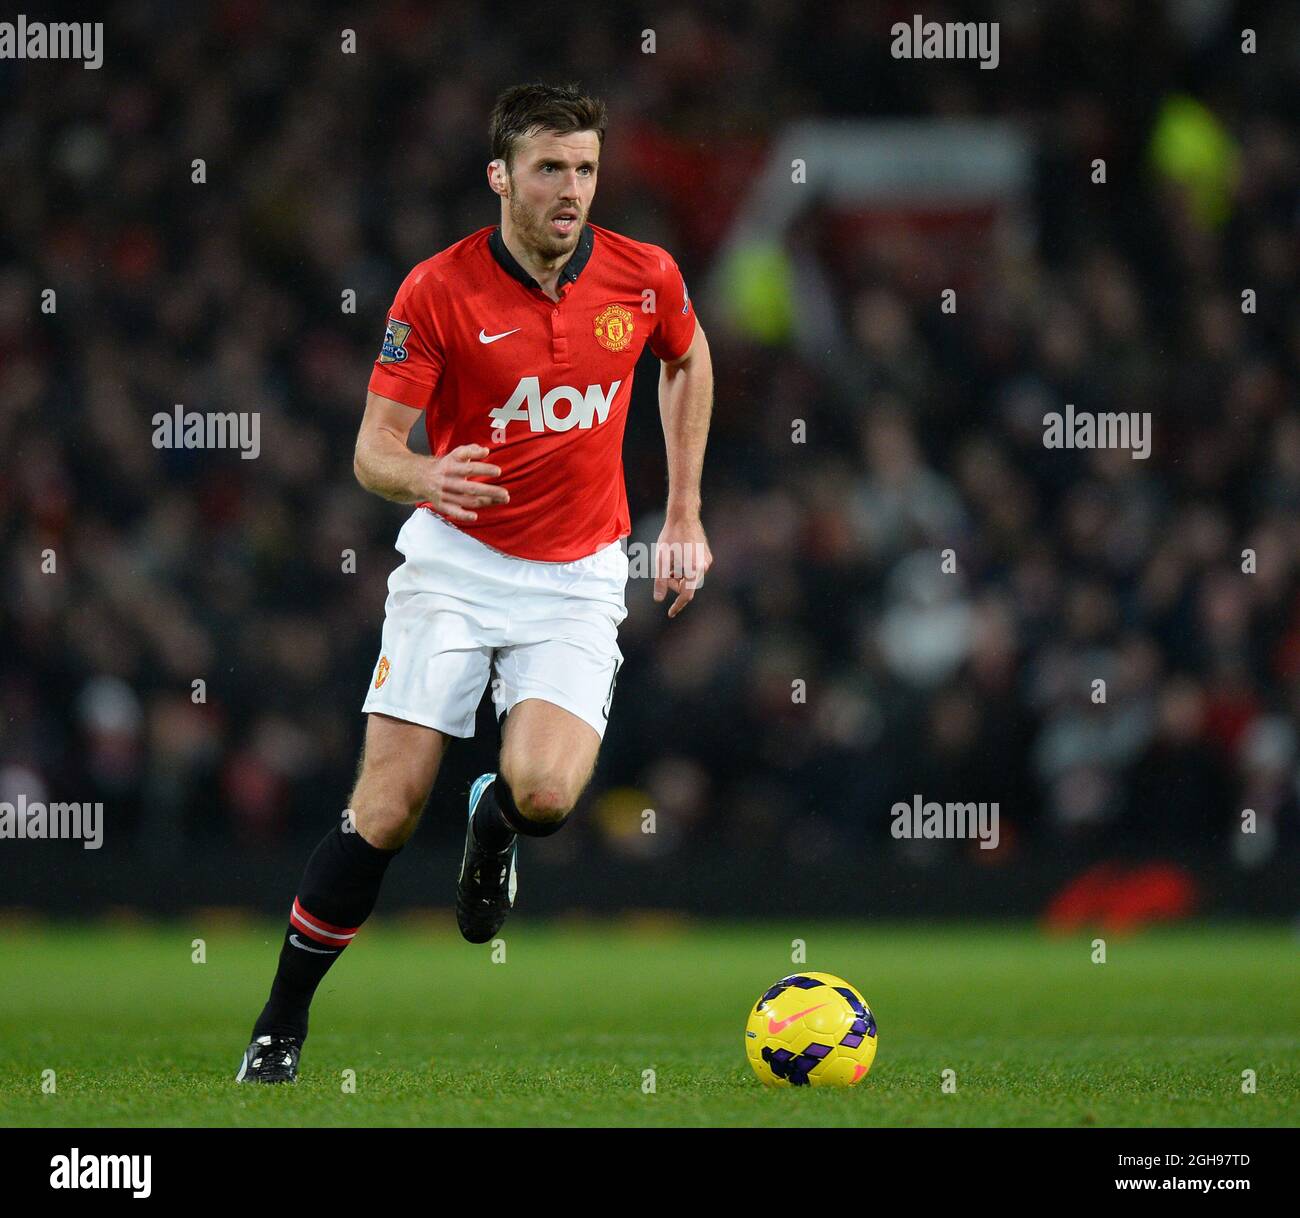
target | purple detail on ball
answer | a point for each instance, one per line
(852, 1040)
(818, 1051)
(852, 999)
(796, 979)
(800, 1067)
(865, 1022)
(785, 1065)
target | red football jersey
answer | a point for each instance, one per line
(475, 343)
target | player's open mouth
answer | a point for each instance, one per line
(565, 222)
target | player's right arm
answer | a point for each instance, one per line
(386, 466)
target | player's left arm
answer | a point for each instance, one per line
(685, 403)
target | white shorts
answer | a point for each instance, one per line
(460, 613)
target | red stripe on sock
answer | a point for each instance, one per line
(318, 929)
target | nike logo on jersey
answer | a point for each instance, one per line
(485, 337)
(318, 951)
(528, 405)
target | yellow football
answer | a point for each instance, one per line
(811, 1029)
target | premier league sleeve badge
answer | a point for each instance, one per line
(394, 349)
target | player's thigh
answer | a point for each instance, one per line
(399, 763)
(548, 754)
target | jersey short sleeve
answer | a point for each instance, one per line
(411, 358)
(675, 316)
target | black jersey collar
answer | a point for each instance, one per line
(570, 272)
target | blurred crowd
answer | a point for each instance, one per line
(830, 666)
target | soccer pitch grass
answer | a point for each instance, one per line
(563, 1030)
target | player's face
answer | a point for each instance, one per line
(553, 183)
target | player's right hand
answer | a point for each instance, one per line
(454, 494)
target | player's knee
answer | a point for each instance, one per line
(386, 819)
(542, 801)
(386, 827)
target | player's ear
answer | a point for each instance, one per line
(497, 177)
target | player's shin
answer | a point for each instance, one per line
(337, 894)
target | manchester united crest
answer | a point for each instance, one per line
(381, 674)
(614, 327)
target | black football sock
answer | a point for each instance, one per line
(492, 830)
(337, 894)
(497, 818)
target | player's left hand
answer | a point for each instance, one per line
(682, 557)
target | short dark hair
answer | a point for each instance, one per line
(522, 110)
